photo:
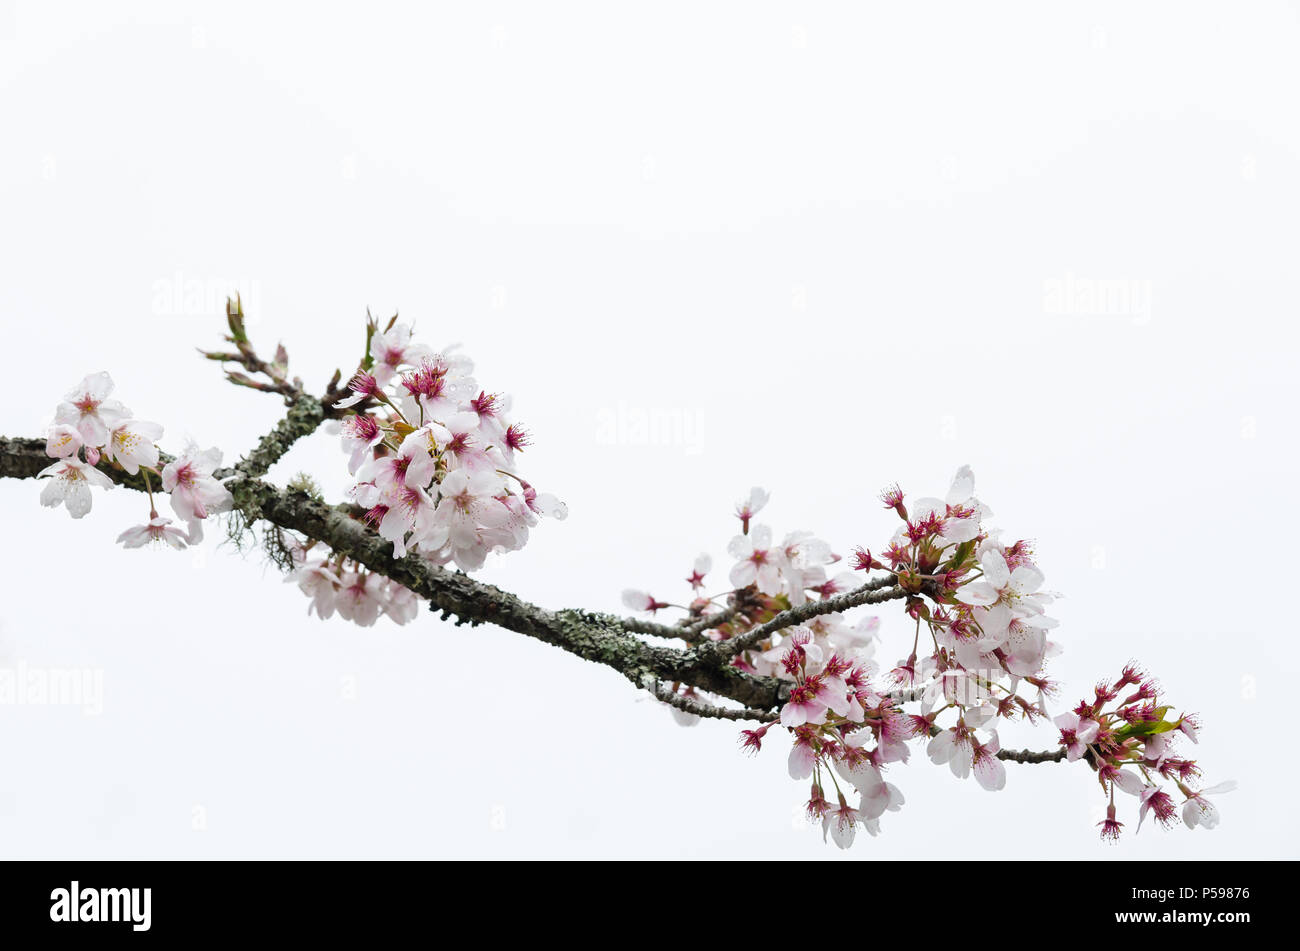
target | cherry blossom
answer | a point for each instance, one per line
(411, 465)
(636, 600)
(842, 822)
(399, 603)
(981, 605)
(430, 395)
(1157, 801)
(364, 386)
(801, 560)
(392, 349)
(88, 409)
(467, 522)
(131, 444)
(702, 566)
(513, 440)
(70, 485)
(409, 508)
(756, 562)
(361, 434)
(157, 530)
(1110, 826)
(195, 494)
(1123, 733)
(434, 461)
(62, 441)
(544, 503)
(334, 584)
(1076, 734)
(491, 409)
(458, 441)
(435, 467)
(1198, 810)
(807, 704)
(360, 597)
(320, 582)
(746, 510)
(988, 769)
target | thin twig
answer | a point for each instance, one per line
(873, 592)
(701, 708)
(1029, 756)
(687, 632)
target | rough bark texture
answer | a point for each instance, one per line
(1029, 756)
(601, 638)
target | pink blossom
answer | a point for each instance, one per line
(62, 441)
(359, 597)
(703, 564)
(751, 506)
(637, 600)
(1156, 799)
(71, 484)
(803, 707)
(1198, 810)
(364, 386)
(1110, 826)
(1076, 734)
(988, 769)
(392, 350)
(409, 508)
(195, 494)
(459, 442)
(468, 518)
(157, 530)
(88, 409)
(361, 433)
(411, 465)
(319, 582)
(131, 444)
(841, 822)
(756, 562)
(400, 603)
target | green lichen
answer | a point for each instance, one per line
(304, 483)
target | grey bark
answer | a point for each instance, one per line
(603, 639)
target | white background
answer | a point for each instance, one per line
(828, 244)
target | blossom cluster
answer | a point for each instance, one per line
(978, 617)
(335, 583)
(840, 727)
(765, 580)
(845, 727)
(1126, 735)
(434, 460)
(435, 465)
(91, 431)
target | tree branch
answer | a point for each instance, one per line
(305, 413)
(1029, 756)
(689, 632)
(873, 592)
(700, 708)
(600, 638)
